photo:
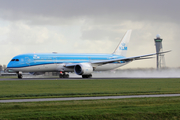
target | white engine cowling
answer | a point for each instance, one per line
(83, 69)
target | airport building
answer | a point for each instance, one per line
(1, 68)
(160, 60)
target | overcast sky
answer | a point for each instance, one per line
(89, 26)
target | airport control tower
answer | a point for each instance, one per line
(159, 48)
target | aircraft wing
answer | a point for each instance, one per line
(127, 59)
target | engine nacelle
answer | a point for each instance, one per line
(83, 69)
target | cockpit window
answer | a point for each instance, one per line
(15, 60)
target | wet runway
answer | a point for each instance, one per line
(73, 78)
(87, 98)
(116, 74)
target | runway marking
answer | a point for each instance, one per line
(87, 98)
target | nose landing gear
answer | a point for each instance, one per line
(19, 75)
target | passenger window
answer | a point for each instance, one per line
(17, 59)
(13, 60)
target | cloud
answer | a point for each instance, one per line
(20, 33)
(19, 38)
(89, 26)
(101, 11)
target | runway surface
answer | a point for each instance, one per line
(87, 98)
(74, 78)
(7, 79)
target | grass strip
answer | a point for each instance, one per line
(21, 89)
(135, 109)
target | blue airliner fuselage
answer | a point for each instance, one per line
(27, 60)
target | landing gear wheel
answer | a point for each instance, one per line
(86, 76)
(60, 76)
(20, 76)
(63, 75)
(66, 76)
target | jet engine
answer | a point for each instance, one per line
(83, 69)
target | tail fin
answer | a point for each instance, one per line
(123, 45)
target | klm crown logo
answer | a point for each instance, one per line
(123, 46)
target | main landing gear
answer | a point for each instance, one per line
(87, 76)
(63, 75)
(19, 75)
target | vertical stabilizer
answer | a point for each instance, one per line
(123, 45)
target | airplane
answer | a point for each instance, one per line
(81, 64)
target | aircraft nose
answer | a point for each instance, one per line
(9, 65)
(10, 68)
